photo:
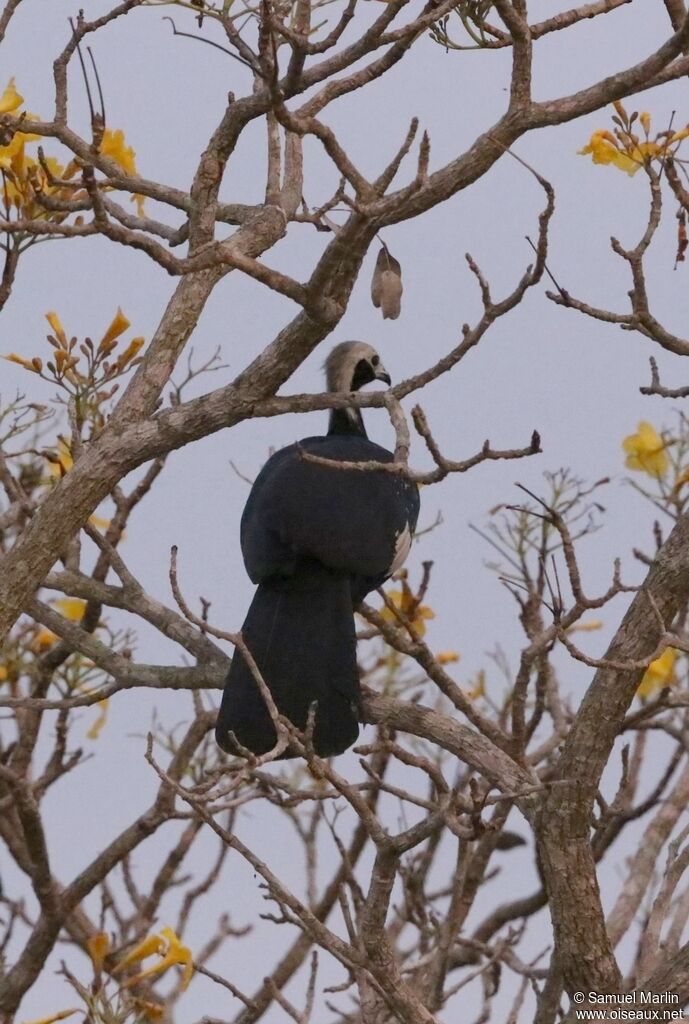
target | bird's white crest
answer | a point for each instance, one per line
(342, 362)
(402, 548)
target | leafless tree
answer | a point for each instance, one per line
(447, 766)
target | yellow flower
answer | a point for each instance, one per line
(646, 451)
(151, 1011)
(54, 1017)
(20, 361)
(479, 687)
(682, 479)
(617, 104)
(95, 730)
(62, 462)
(659, 673)
(114, 146)
(3, 674)
(118, 326)
(679, 136)
(10, 98)
(167, 945)
(98, 946)
(12, 157)
(147, 947)
(604, 150)
(405, 601)
(130, 352)
(627, 154)
(44, 638)
(586, 627)
(71, 607)
(446, 657)
(645, 119)
(58, 330)
(100, 523)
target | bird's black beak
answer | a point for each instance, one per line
(382, 374)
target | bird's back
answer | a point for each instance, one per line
(351, 521)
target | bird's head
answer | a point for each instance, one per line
(351, 364)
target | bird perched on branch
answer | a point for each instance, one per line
(316, 539)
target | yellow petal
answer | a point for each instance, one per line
(396, 598)
(586, 627)
(96, 729)
(187, 974)
(3, 673)
(678, 136)
(43, 639)
(178, 954)
(71, 607)
(479, 688)
(681, 480)
(151, 1011)
(117, 327)
(149, 972)
(130, 352)
(99, 523)
(54, 1017)
(446, 657)
(660, 673)
(98, 946)
(646, 451)
(58, 330)
(9, 101)
(174, 953)
(147, 947)
(62, 461)
(620, 109)
(604, 149)
(645, 119)
(114, 145)
(20, 361)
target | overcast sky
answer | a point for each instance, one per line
(542, 367)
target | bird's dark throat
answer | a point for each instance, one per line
(350, 421)
(347, 421)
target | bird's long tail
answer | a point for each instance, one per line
(300, 632)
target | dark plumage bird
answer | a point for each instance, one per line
(316, 540)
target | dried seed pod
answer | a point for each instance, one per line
(386, 286)
(682, 240)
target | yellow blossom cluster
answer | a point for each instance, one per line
(410, 609)
(405, 606)
(35, 186)
(26, 179)
(35, 640)
(166, 945)
(87, 371)
(625, 149)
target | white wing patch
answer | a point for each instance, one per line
(402, 546)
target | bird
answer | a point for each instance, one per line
(316, 540)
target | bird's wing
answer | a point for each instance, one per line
(352, 521)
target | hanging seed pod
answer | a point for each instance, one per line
(386, 286)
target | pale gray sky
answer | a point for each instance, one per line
(542, 367)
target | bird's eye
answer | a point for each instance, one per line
(375, 360)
